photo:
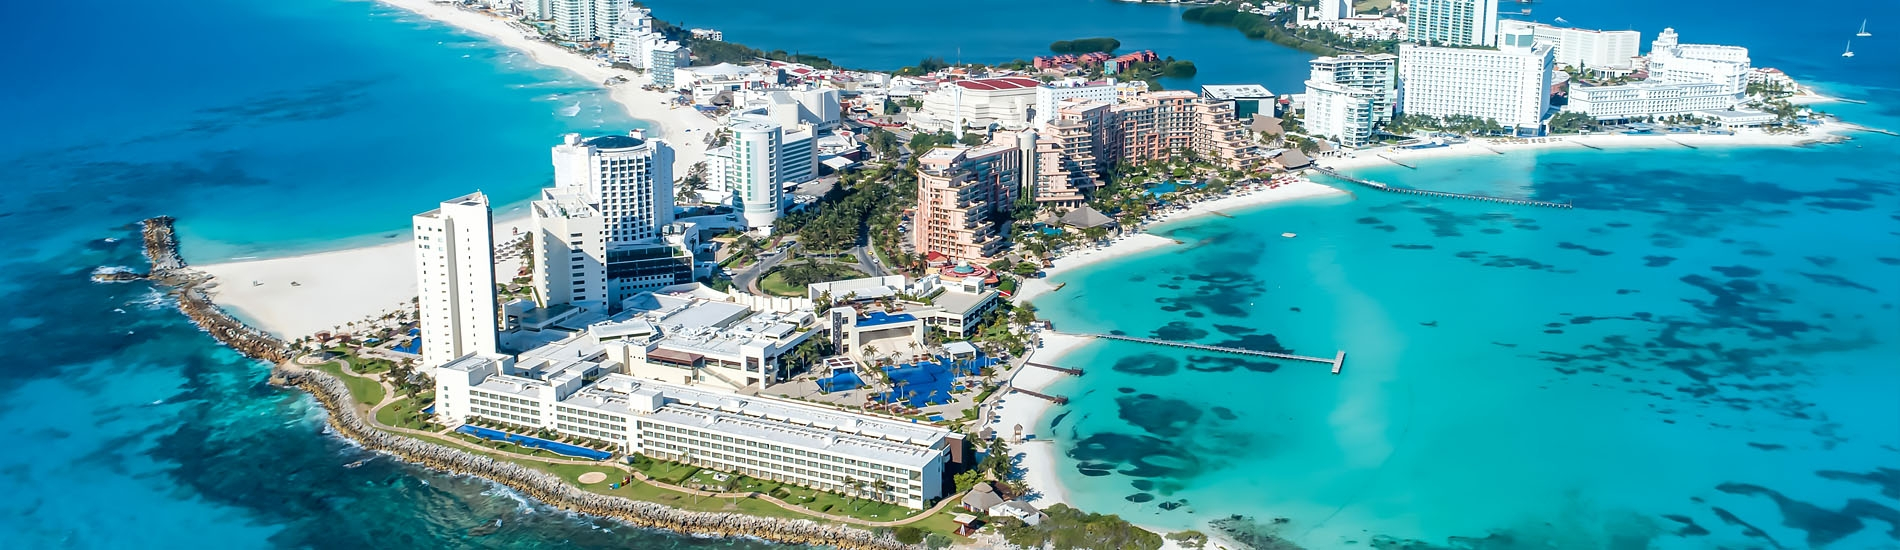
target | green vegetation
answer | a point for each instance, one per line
(1570, 122)
(714, 52)
(1085, 45)
(792, 280)
(1179, 69)
(1189, 539)
(1274, 28)
(1462, 124)
(909, 535)
(407, 413)
(366, 391)
(1068, 528)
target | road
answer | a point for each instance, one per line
(748, 279)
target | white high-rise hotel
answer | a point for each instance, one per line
(1347, 96)
(749, 168)
(1510, 84)
(631, 178)
(605, 231)
(1452, 22)
(455, 278)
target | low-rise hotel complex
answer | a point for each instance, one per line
(578, 392)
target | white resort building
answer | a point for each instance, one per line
(1510, 84)
(1683, 79)
(1586, 48)
(605, 231)
(1452, 22)
(455, 279)
(978, 103)
(577, 390)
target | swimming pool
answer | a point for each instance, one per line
(535, 443)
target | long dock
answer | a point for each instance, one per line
(1065, 370)
(1338, 361)
(1445, 194)
(1057, 399)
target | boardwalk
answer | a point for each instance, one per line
(1338, 361)
(1057, 399)
(1065, 370)
(1445, 194)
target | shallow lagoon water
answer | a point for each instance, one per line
(1703, 349)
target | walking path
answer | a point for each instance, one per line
(390, 397)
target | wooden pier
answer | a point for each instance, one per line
(1396, 161)
(1446, 194)
(1338, 361)
(1064, 370)
(1057, 399)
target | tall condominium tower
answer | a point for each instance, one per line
(1452, 22)
(629, 178)
(749, 167)
(455, 278)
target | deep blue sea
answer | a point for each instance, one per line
(268, 128)
(1705, 353)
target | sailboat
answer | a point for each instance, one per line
(1850, 49)
(1863, 29)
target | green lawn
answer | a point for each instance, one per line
(407, 413)
(776, 283)
(366, 391)
(670, 472)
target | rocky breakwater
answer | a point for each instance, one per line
(189, 287)
(545, 487)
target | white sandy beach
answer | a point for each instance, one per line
(1142, 242)
(1038, 455)
(349, 285)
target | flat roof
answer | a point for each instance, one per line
(959, 302)
(1233, 91)
(994, 84)
(616, 142)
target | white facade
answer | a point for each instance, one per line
(1377, 73)
(630, 178)
(809, 445)
(1510, 85)
(605, 231)
(664, 59)
(631, 34)
(1585, 48)
(978, 103)
(455, 279)
(1671, 62)
(1648, 99)
(573, 19)
(1334, 10)
(1050, 95)
(1341, 113)
(607, 14)
(748, 167)
(1452, 22)
(570, 251)
(818, 108)
(798, 157)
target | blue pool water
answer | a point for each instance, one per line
(840, 381)
(535, 442)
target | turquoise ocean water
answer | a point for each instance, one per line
(275, 128)
(1703, 354)
(269, 128)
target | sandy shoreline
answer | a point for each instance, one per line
(1145, 241)
(340, 286)
(1038, 454)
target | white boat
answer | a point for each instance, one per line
(1863, 29)
(1850, 49)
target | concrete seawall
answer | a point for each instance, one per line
(554, 491)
